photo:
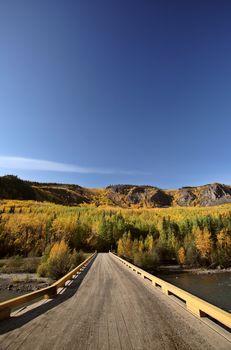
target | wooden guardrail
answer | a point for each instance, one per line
(195, 305)
(48, 292)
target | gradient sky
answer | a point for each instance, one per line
(116, 91)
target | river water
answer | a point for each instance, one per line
(214, 288)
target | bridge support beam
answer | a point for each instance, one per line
(51, 293)
(5, 313)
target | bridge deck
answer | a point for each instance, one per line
(108, 307)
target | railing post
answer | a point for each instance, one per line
(164, 289)
(195, 310)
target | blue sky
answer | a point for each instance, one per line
(126, 91)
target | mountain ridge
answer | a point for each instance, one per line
(120, 195)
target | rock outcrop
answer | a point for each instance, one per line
(124, 196)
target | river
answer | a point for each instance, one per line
(214, 288)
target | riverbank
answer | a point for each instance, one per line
(16, 284)
(195, 271)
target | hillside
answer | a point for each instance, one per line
(124, 196)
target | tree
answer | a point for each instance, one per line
(58, 262)
(128, 245)
(224, 239)
(181, 255)
(120, 247)
(203, 242)
(141, 245)
(224, 247)
(135, 247)
(149, 243)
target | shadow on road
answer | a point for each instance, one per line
(18, 321)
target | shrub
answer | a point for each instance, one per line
(42, 270)
(148, 261)
(137, 259)
(58, 260)
(181, 256)
(30, 265)
(192, 256)
(15, 280)
(13, 264)
(77, 258)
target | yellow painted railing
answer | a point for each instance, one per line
(197, 306)
(48, 292)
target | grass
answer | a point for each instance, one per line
(18, 264)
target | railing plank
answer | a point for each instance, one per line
(195, 305)
(48, 292)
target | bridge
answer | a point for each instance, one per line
(110, 306)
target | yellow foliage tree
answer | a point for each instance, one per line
(128, 245)
(120, 247)
(59, 261)
(59, 249)
(28, 227)
(149, 243)
(203, 241)
(224, 239)
(141, 245)
(135, 247)
(181, 255)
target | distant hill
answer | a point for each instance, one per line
(11, 187)
(124, 196)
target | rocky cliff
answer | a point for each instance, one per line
(125, 196)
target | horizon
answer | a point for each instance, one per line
(120, 92)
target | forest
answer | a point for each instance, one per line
(194, 236)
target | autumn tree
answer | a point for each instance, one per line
(141, 245)
(135, 247)
(181, 255)
(203, 242)
(120, 247)
(203, 232)
(224, 247)
(149, 243)
(58, 262)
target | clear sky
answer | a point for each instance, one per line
(116, 91)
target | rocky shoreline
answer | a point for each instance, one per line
(22, 283)
(194, 271)
(200, 271)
